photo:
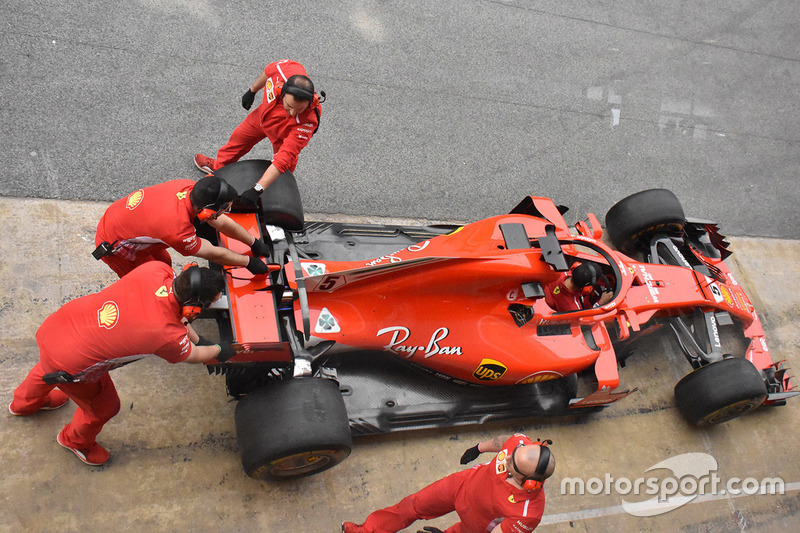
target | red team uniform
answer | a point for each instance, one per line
(135, 317)
(141, 226)
(270, 120)
(560, 298)
(480, 495)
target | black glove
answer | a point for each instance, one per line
(470, 455)
(202, 341)
(257, 267)
(430, 529)
(248, 98)
(250, 196)
(226, 351)
(259, 248)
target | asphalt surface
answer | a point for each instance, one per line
(439, 110)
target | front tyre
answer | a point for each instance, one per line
(631, 220)
(720, 391)
(292, 428)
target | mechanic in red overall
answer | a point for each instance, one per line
(502, 496)
(144, 313)
(288, 116)
(575, 289)
(141, 226)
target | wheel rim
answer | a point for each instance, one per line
(306, 462)
(732, 411)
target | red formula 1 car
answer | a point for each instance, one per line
(367, 329)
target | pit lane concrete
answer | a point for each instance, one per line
(175, 467)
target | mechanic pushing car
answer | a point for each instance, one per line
(579, 288)
(504, 495)
(139, 227)
(289, 115)
(145, 312)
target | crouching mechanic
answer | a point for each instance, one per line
(502, 496)
(141, 226)
(142, 314)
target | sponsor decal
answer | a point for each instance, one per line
(715, 331)
(162, 292)
(418, 247)
(651, 286)
(392, 257)
(544, 375)
(680, 255)
(313, 269)
(501, 467)
(326, 323)
(726, 295)
(490, 370)
(512, 295)
(108, 315)
(134, 199)
(190, 242)
(557, 290)
(185, 344)
(400, 334)
(269, 89)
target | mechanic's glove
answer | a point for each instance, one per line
(470, 455)
(226, 351)
(257, 267)
(202, 341)
(259, 248)
(250, 196)
(248, 98)
(430, 529)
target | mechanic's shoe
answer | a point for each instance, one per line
(55, 400)
(349, 527)
(94, 455)
(205, 164)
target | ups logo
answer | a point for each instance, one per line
(490, 370)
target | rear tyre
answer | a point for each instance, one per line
(293, 428)
(631, 220)
(720, 391)
(280, 204)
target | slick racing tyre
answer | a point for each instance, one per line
(292, 428)
(279, 205)
(721, 391)
(631, 220)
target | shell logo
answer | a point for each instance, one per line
(134, 199)
(539, 377)
(108, 315)
(726, 295)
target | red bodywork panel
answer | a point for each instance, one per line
(443, 303)
(253, 307)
